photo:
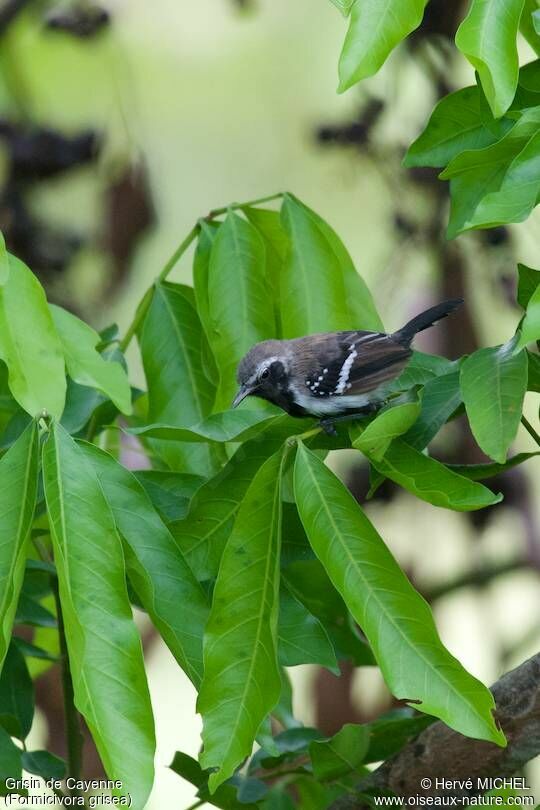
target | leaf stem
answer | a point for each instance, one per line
(216, 212)
(196, 804)
(529, 428)
(300, 437)
(74, 738)
(169, 265)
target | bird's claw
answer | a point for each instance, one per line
(328, 426)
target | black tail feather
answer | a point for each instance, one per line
(425, 320)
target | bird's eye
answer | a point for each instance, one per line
(265, 373)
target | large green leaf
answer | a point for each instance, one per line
(309, 582)
(229, 426)
(493, 384)
(341, 754)
(268, 224)
(487, 37)
(104, 646)
(389, 733)
(10, 762)
(242, 681)
(18, 474)
(85, 365)
(376, 27)
(478, 472)
(529, 24)
(302, 638)
(29, 344)
(225, 796)
(4, 260)
(319, 272)
(241, 309)
(432, 481)
(162, 579)
(420, 369)
(441, 396)
(529, 280)
(16, 695)
(179, 393)
(204, 532)
(530, 327)
(171, 493)
(393, 420)
(394, 617)
(497, 184)
(456, 124)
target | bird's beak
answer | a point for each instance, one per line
(244, 392)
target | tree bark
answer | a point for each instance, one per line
(438, 752)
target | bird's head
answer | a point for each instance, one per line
(263, 373)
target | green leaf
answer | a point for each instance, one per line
(389, 733)
(533, 376)
(29, 611)
(302, 639)
(440, 398)
(4, 260)
(319, 272)
(240, 302)
(171, 493)
(341, 754)
(432, 481)
(34, 356)
(498, 184)
(487, 37)
(536, 21)
(16, 695)
(99, 627)
(394, 617)
(376, 27)
(393, 420)
(43, 764)
(242, 681)
(31, 651)
(420, 369)
(203, 533)
(529, 280)
(456, 124)
(10, 762)
(179, 393)
(268, 224)
(225, 796)
(530, 326)
(309, 582)
(201, 264)
(493, 384)
(19, 474)
(229, 426)
(84, 363)
(478, 472)
(155, 564)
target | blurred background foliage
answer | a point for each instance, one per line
(121, 124)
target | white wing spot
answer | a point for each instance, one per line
(315, 385)
(320, 378)
(346, 370)
(308, 383)
(325, 371)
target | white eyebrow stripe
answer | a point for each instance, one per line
(343, 378)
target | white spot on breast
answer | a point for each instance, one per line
(345, 371)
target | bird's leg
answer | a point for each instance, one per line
(328, 424)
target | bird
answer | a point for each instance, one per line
(332, 375)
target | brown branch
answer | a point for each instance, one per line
(438, 752)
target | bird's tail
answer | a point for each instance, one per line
(425, 320)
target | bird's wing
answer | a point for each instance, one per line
(349, 363)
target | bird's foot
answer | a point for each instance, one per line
(328, 424)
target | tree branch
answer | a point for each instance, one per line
(440, 752)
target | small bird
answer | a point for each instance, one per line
(331, 375)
